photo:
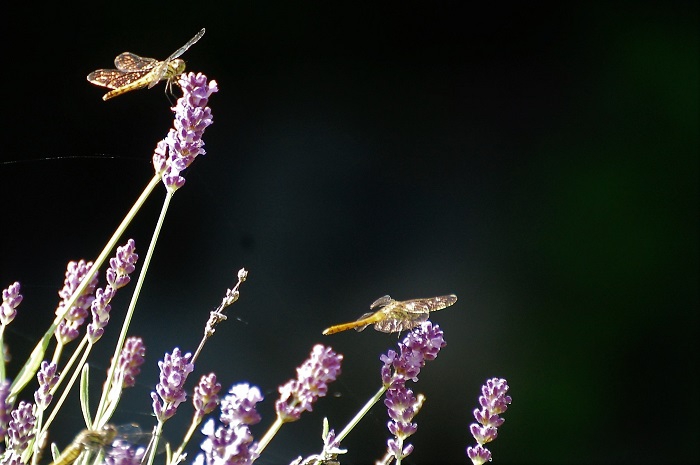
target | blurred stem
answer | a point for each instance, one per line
(363, 411)
(100, 417)
(269, 435)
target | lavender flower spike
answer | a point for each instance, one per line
(184, 143)
(206, 396)
(68, 328)
(120, 266)
(311, 383)
(232, 443)
(20, 429)
(420, 345)
(48, 378)
(493, 401)
(173, 374)
(11, 298)
(130, 360)
(402, 407)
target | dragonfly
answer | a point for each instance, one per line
(135, 72)
(392, 316)
(97, 440)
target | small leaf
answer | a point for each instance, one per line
(84, 399)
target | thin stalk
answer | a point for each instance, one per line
(99, 420)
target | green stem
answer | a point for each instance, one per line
(100, 417)
(363, 411)
(269, 435)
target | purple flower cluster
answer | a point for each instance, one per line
(184, 142)
(124, 453)
(130, 360)
(493, 401)
(420, 345)
(20, 428)
(120, 266)
(174, 370)
(206, 396)
(11, 298)
(232, 443)
(48, 378)
(68, 327)
(402, 406)
(313, 376)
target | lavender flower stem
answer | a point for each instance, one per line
(102, 415)
(269, 435)
(363, 411)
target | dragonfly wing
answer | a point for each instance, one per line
(114, 78)
(381, 302)
(128, 61)
(431, 304)
(184, 48)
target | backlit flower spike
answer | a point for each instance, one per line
(174, 370)
(20, 428)
(11, 298)
(313, 377)
(184, 142)
(206, 396)
(402, 406)
(130, 360)
(123, 453)
(68, 327)
(120, 266)
(47, 378)
(420, 345)
(232, 442)
(493, 401)
(238, 407)
(232, 445)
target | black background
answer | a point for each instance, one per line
(540, 161)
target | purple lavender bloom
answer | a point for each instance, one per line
(11, 298)
(184, 143)
(20, 429)
(130, 360)
(402, 406)
(4, 407)
(493, 401)
(123, 453)
(206, 396)
(173, 374)
(313, 376)
(122, 265)
(232, 445)
(421, 344)
(238, 407)
(100, 309)
(68, 328)
(48, 378)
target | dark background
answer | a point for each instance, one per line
(540, 161)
